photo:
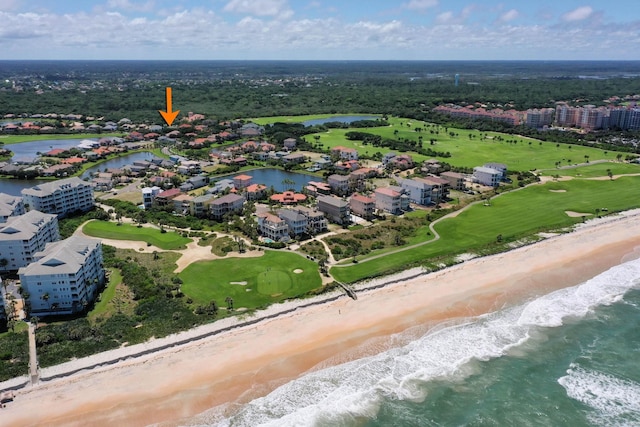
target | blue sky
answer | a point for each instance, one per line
(320, 29)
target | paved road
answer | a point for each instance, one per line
(34, 371)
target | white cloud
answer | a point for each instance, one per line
(9, 4)
(445, 17)
(278, 8)
(509, 15)
(132, 6)
(420, 4)
(578, 14)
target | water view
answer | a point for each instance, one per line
(278, 179)
(341, 119)
(30, 149)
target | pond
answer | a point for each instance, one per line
(276, 178)
(14, 186)
(30, 149)
(117, 163)
(341, 119)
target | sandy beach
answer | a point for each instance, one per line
(234, 366)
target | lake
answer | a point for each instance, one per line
(14, 186)
(30, 149)
(275, 177)
(341, 119)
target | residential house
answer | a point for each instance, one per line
(362, 206)
(64, 277)
(500, 167)
(231, 203)
(256, 191)
(294, 158)
(24, 235)
(242, 181)
(315, 187)
(182, 204)
(391, 201)
(165, 198)
(60, 197)
(344, 153)
(402, 162)
(456, 180)
(316, 221)
(200, 205)
(289, 143)
(487, 176)
(439, 188)
(336, 209)
(149, 195)
(221, 186)
(358, 178)
(431, 166)
(10, 206)
(388, 157)
(189, 167)
(339, 184)
(295, 220)
(194, 183)
(418, 189)
(273, 227)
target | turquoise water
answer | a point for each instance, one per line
(569, 358)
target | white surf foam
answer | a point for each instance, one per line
(613, 401)
(343, 394)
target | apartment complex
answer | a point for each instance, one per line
(65, 277)
(60, 197)
(21, 237)
(10, 206)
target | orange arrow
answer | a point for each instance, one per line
(169, 116)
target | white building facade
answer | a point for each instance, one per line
(10, 206)
(21, 237)
(60, 197)
(65, 277)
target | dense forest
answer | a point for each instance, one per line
(222, 90)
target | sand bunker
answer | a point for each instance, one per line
(573, 214)
(239, 283)
(558, 191)
(298, 270)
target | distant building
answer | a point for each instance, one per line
(419, 190)
(539, 118)
(64, 277)
(295, 220)
(22, 236)
(500, 167)
(339, 184)
(60, 197)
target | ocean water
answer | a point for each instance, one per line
(569, 358)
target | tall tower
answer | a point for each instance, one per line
(457, 79)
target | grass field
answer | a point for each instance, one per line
(111, 230)
(526, 154)
(14, 139)
(102, 306)
(251, 282)
(599, 169)
(512, 215)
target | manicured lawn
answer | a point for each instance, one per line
(599, 169)
(470, 152)
(110, 230)
(512, 215)
(251, 282)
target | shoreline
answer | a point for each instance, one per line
(184, 379)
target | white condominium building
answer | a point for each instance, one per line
(10, 206)
(65, 276)
(60, 197)
(22, 236)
